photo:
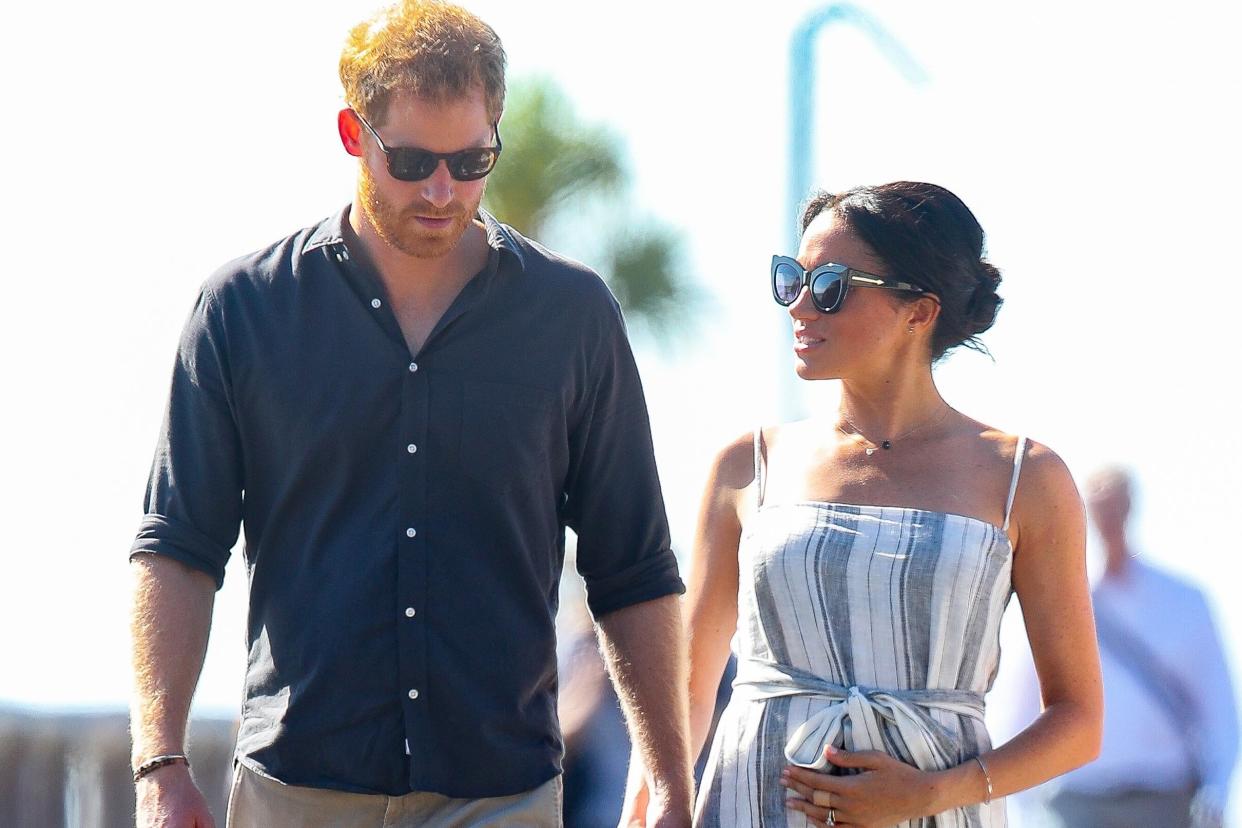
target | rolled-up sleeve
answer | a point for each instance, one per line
(613, 497)
(194, 494)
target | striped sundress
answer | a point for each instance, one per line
(867, 627)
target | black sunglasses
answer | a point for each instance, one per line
(415, 164)
(828, 283)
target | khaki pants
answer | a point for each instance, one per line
(1122, 809)
(259, 802)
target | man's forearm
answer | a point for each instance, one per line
(644, 647)
(169, 625)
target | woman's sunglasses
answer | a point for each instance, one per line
(414, 164)
(828, 283)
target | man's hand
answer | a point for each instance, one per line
(644, 648)
(663, 812)
(642, 810)
(168, 798)
(170, 621)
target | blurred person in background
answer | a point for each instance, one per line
(405, 406)
(1170, 726)
(864, 559)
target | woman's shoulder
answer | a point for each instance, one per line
(1038, 459)
(739, 452)
(733, 467)
(791, 432)
(738, 461)
(1045, 492)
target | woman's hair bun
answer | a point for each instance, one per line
(984, 302)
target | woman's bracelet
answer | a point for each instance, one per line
(159, 762)
(987, 800)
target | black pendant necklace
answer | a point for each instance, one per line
(886, 444)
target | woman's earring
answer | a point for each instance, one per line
(909, 330)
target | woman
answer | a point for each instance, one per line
(864, 560)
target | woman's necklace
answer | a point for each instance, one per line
(888, 444)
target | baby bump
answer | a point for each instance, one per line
(741, 785)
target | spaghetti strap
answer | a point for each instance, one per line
(1013, 484)
(758, 466)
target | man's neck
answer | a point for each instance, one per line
(1117, 560)
(421, 290)
(405, 274)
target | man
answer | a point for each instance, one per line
(405, 406)
(1170, 727)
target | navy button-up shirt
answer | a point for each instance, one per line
(405, 514)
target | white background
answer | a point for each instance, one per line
(146, 143)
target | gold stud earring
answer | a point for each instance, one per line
(909, 330)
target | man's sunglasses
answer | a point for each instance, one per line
(828, 283)
(414, 164)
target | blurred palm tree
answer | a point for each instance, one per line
(560, 173)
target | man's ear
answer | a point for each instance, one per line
(350, 130)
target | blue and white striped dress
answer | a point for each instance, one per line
(868, 627)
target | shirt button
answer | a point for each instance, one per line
(413, 694)
(411, 448)
(375, 303)
(410, 612)
(413, 367)
(411, 532)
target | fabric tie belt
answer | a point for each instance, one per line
(856, 717)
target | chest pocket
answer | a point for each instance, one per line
(507, 433)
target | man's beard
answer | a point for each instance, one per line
(398, 226)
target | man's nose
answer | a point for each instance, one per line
(438, 187)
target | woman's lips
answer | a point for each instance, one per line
(805, 342)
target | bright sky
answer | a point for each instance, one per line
(148, 143)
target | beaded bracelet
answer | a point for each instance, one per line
(159, 762)
(986, 778)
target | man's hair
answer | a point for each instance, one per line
(1108, 481)
(432, 50)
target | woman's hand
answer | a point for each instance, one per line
(886, 791)
(634, 809)
(642, 810)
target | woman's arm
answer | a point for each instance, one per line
(1050, 579)
(711, 594)
(711, 602)
(1049, 575)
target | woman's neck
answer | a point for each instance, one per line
(893, 404)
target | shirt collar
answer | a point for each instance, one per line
(331, 231)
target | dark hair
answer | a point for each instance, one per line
(928, 237)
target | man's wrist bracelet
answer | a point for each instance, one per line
(159, 762)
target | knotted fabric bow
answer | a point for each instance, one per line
(858, 715)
